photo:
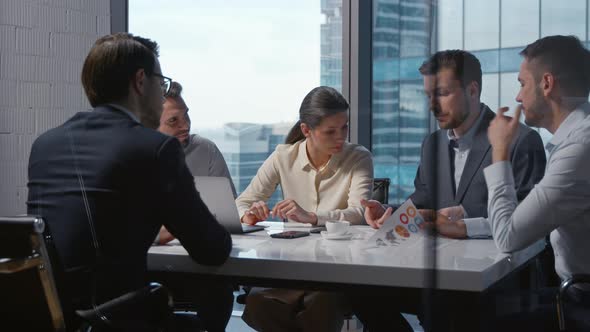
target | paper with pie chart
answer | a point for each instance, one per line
(403, 226)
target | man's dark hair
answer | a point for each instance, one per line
(465, 66)
(112, 62)
(175, 90)
(566, 58)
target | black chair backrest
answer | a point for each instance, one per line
(29, 299)
(381, 190)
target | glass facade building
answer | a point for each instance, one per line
(331, 44)
(400, 118)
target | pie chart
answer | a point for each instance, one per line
(402, 231)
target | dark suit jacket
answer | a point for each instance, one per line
(135, 180)
(434, 179)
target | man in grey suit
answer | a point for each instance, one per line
(449, 186)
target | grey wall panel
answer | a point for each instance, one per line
(42, 47)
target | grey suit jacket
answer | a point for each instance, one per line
(434, 184)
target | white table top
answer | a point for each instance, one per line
(465, 265)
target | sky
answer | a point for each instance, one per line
(237, 60)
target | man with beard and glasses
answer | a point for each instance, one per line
(450, 188)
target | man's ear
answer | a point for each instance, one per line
(547, 84)
(305, 129)
(474, 89)
(138, 81)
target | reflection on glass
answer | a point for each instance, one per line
(482, 26)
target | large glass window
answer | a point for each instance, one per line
(516, 29)
(245, 66)
(401, 42)
(521, 22)
(563, 18)
(482, 26)
(509, 87)
(450, 34)
(489, 92)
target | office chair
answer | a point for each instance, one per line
(381, 190)
(30, 298)
(562, 298)
(35, 295)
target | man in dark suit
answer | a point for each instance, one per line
(105, 181)
(449, 186)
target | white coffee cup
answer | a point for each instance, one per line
(337, 227)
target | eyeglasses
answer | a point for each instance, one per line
(165, 84)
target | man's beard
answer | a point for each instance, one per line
(536, 112)
(458, 119)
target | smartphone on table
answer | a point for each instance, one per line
(317, 229)
(289, 234)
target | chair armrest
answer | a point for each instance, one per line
(13, 265)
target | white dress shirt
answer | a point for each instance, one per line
(332, 192)
(559, 204)
(477, 227)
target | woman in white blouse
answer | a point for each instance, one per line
(322, 178)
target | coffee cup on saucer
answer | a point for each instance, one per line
(337, 227)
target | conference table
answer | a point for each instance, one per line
(473, 265)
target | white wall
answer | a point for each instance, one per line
(42, 47)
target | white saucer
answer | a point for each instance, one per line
(345, 236)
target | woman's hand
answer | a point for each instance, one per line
(257, 212)
(289, 209)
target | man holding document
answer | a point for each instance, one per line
(449, 183)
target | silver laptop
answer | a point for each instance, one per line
(216, 193)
